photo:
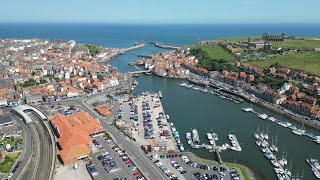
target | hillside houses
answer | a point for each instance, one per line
(36, 70)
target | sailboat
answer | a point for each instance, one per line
(274, 146)
(300, 131)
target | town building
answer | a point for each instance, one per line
(74, 135)
(158, 146)
(6, 121)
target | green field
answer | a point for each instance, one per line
(307, 62)
(306, 44)
(216, 52)
(93, 49)
(244, 38)
(8, 162)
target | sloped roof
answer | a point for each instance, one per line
(75, 131)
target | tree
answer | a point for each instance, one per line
(71, 107)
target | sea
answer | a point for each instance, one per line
(187, 108)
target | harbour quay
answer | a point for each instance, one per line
(148, 124)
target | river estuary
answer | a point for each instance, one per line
(205, 112)
(188, 108)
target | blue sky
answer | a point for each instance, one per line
(161, 11)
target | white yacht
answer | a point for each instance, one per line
(263, 116)
(160, 94)
(272, 119)
(188, 135)
(195, 136)
(299, 132)
(211, 142)
(209, 136)
(247, 109)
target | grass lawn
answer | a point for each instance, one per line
(200, 160)
(307, 44)
(197, 159)
(10, 158)
(244, 38)
(216, 52)
(242, 168)
(93, 49)
(307, 62)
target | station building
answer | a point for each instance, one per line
(74, 135)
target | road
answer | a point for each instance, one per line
(27, 149)
(42, 147)
(151, 171)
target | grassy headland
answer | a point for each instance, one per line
(212, 57)
(308, 62)
(93, 49)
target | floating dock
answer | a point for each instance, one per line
(234, 142)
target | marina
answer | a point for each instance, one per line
(209, 113)
(216, 92)
(297, 131)
(315, 167)
(194, 141)
(279, 163)
(300, 131)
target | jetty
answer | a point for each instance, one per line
(141, 71)
(234, 142)
(136, 46)
(160, 45)
(213, 147)
(144, 56)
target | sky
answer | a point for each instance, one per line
(161, 11)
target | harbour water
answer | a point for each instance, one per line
(188, 108)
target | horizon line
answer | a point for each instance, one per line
(159, 23)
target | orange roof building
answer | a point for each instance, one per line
(74, 134)
(103, 110)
